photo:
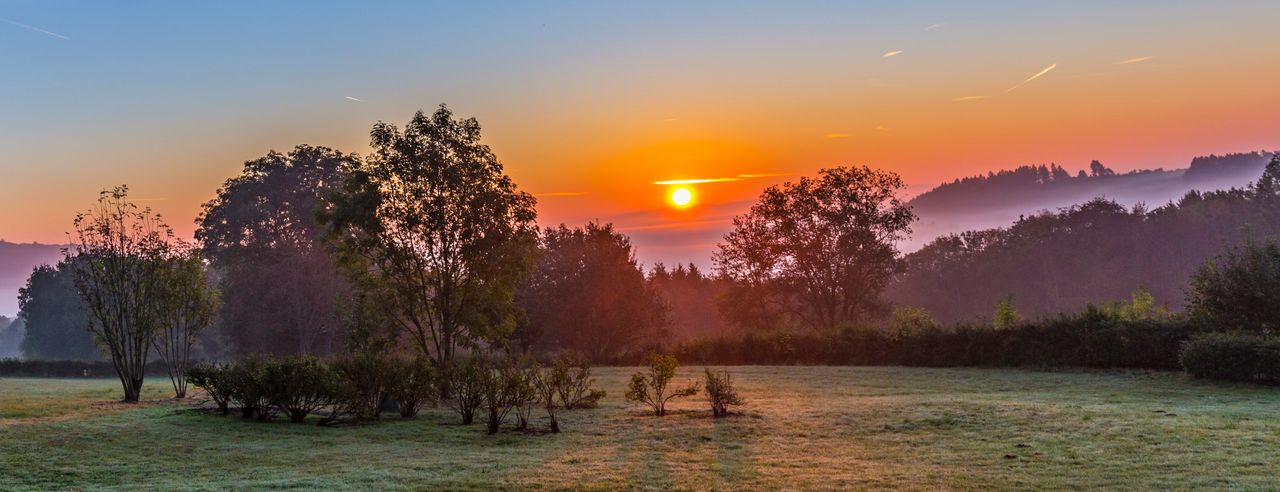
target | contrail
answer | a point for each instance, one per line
(935, 26)
(892, 53)
(1033, 77)
(1130, 61)
(969, 98)
(353, 99)
(36, 29)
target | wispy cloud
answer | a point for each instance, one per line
(694, 181)
(883, 128)
(892, 54)
(969, 98)
(1033, 77)
(836, 135)
(353, 99)
(739, 177)
(560, 193)
(935, 26)
(34, 28)
(1131, 61)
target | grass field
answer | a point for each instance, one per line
(802, 428)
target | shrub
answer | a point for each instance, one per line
(246, 387)
(1237, 290)
(1233, 357)
(416, 384)
(298, 386)
(573, 378)
(212, 379)
(651, 388)
(545, 387)
(360, 383)
(721, 393)
(467, 381)
(504, 389)
(521, 377)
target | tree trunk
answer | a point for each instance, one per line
(494, 422)
(555, 426)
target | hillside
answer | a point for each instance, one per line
(16, 263)
(1000, 198)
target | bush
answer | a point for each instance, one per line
(651, 388)
(361, 382)
(213, 380)
(1233, 357)
(467, 381)
(573, 381)
(545, 387)
(298, 386)
(246, 386)
(523, 376)
(721, 393)
(1237, 290)
(416, 383)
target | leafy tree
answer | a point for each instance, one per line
(119, 255)
(55, 317)
(587, 294)
(1239, 290)
(280, 284)
(186, 303)
(721, 393)
(822, 248)
(910, 321)
(650, 388)
(1005, 316)
(433, 226)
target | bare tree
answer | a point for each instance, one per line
(186, 303)
(119, 252)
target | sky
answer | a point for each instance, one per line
(588, 104)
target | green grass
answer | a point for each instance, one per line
(802, 428)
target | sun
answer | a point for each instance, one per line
(682, 197)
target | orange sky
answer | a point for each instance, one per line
(588, 106)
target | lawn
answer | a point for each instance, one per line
(802, 428)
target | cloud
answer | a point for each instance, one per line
(836, 135)
(969, 98)
(560, 193)
(34, 28)
(936, 25)
(353, 99)
(1131, 61)
(1033, 77)
(739, 177)
(893, 53)
(695, 181)
(883, 128)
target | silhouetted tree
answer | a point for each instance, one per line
(55, 317)
(1239, 290)
(186, 303)
(824, 248)
(691, 297)
(281, 289)
(586, 293)
(119, 253)
(432, 225)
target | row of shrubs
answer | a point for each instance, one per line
(365, 387)
(1093, 341)
(23, 368)
(1241, 357)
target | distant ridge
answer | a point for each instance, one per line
(16, 262)
(999, 198)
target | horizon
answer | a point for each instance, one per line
(588, 115)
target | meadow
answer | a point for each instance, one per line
(801, 428)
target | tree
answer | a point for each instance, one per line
(186, 303)
(119, 252)
(55, 317)
(433, 226)
(1005, 316)
(587, 294)
(282, 290)
(824, 248)
(1238, 290)
(11, 332)
(650, 388)
(689, 294)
